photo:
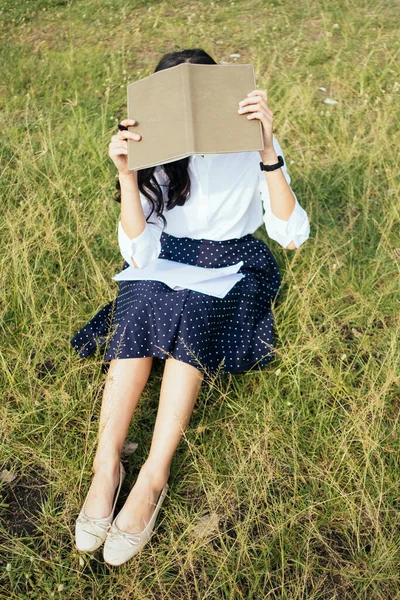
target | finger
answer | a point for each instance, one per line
(253, 92)
(118, 138)
(258, 92)
(259, 115)
(249, 108)
(127, 122)
(130, 135)
(251, 100)
(123, 135)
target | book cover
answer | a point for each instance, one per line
(191, 109)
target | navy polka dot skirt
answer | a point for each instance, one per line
(233, 334)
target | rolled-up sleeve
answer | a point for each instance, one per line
(145, 247)
(297, 227)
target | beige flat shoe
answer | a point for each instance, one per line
(90, 533)
(120, 545)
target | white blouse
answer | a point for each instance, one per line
(229, 199)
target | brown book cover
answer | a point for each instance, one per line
(191, 109)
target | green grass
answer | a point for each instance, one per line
(299, 463)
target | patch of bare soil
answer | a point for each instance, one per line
(21, 503)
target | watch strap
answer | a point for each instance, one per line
(277, 165)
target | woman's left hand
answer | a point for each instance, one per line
(256, 104)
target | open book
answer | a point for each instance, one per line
(191, 109)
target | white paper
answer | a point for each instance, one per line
(218, 287)
(213, 281)
(176, 272)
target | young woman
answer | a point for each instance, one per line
(201, 211)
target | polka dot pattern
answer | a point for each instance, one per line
(217, 335)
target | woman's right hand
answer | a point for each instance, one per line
(118, 147)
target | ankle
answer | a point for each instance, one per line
(108, 464)
(159, 474)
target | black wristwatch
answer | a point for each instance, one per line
(272, 167)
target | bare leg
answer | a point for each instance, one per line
(179, 389)
(125, 382)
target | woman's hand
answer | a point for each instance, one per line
(256, 104)
(118, 147)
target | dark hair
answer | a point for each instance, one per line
(177, 171)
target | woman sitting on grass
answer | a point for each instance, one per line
(202, 211)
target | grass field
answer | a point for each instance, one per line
(295, 469)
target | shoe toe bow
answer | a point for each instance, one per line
(121, 545)
(115, 534)
(90, 533)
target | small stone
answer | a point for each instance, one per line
(128, 448)
(6, 476)
(206, 524)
